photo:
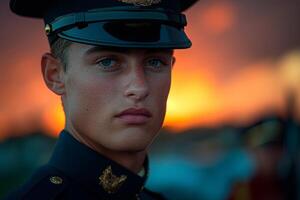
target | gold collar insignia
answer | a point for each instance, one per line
(110, 182)
(141, 2)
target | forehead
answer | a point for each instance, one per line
(85, 50)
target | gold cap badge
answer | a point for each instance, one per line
(110, 182)
(141, 2)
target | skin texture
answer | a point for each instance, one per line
(100, 83)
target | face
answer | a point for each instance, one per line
(114, 98)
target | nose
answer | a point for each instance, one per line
(137, 88)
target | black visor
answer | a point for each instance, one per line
(122, 28)
(116, 23)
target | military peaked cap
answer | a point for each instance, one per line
(113, 23)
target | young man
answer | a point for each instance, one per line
(111, 63)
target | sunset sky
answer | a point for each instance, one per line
(244, 60)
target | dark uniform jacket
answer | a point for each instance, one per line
(77, 172)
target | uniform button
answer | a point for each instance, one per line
(56, 180)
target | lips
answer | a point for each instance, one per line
(134, 116)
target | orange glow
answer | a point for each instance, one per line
(254, 90)
(218, 18)
(54, 120)
(289, 70)
(195, 100)
(191, 100)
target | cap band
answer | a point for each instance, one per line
(102, 15)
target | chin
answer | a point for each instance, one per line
(134, 141)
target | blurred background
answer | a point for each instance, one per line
(232, 127)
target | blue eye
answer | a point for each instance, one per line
(108, 64)
(156, 64)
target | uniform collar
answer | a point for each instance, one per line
(95, 172)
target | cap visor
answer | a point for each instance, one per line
(129, 35)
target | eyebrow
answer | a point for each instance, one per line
(96, 49)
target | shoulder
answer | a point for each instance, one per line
(46, 183)
(153, 195)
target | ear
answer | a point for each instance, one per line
(173, 62)
(53, 73)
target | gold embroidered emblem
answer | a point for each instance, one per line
(141, 2)
(110, 182)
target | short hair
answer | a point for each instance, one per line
(59, 50)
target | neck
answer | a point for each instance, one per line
(132, 160)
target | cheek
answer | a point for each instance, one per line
(160, 92)
(161, 88)
(88, 95)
